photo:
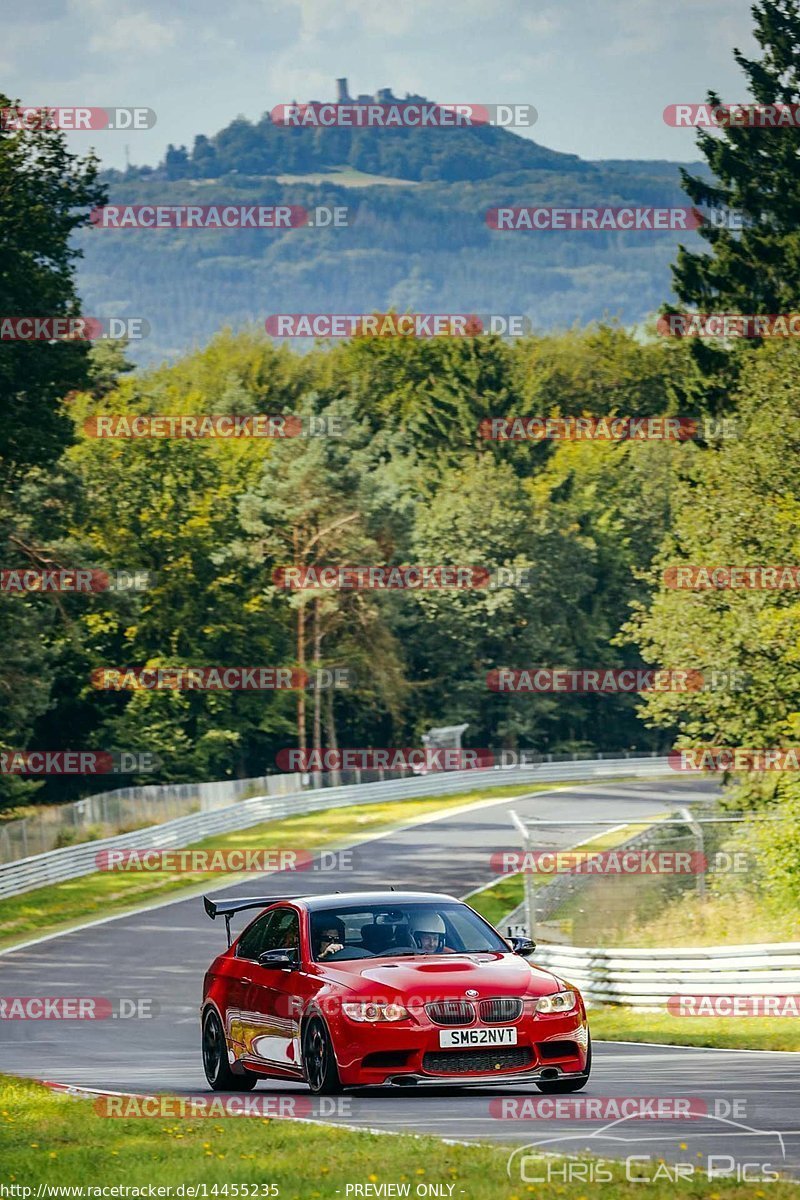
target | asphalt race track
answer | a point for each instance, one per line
(752, 1099)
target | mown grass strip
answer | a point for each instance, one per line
(615, 1024)
(56, 1140)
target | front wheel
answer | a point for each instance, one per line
(560, 1087)
(215, 1059)
(319, 1063)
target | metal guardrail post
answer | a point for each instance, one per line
(530, 900)
(697, 830)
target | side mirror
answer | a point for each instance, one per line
(522, 945)
(283, 958)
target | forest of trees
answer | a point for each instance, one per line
(412, 482)
(426, 247)
(210, 521)
(595, 525)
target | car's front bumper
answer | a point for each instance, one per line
(409, 1054)
(411, 1079)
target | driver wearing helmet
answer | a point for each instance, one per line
(428, 931)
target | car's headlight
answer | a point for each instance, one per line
(375, 1012)
(557, 1003)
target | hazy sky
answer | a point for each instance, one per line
(599, 72)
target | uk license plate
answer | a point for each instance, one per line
(477, 1037)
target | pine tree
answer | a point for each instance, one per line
(757, 173)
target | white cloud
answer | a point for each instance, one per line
(112, 30)
(138, 32)
(540, 24)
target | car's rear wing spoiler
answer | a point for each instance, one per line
(227, 908)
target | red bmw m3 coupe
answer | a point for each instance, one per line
(385, 988)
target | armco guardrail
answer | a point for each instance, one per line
(643, 978)
(73, 861)
(127, 808)
(105, 814)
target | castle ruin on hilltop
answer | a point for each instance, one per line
(382, 96)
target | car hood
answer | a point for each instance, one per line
(446, 977)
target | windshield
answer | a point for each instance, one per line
(382, 931)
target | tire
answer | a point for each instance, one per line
(560, 1087)
(215, 1059)
(319, 1062)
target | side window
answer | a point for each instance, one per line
(252, 942)
(283, 932)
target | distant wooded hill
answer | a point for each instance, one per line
(425, 246)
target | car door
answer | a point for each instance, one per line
(273, 998)
(238, 1024)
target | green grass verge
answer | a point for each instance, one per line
(736, 1033)
(58, 1140)
(732, 919)
(61, 905)
(496, 902)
